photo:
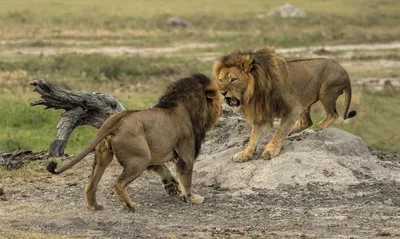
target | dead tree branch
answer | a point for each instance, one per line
(16, 160)
(81, 108)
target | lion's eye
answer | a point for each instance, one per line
(233, 80)
(220, 80)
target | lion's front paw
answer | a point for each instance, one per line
(132, 207)
(271, 152)
(266, 155)
(242, 156)
(193, 198)
(96, 207)
(172, 188)
(197, 199)
(318, 127)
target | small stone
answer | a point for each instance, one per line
(178, 22)
(389, 202)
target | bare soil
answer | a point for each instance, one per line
(119, 50)
(56, 205)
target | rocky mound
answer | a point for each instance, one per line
(332, 156)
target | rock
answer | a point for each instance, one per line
(178, 22)
(330, 156)
(285, 11)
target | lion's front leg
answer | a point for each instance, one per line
(257, 131)
(184, 168)
(273, 148)
(185, 182)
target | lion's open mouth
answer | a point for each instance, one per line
(232, 101)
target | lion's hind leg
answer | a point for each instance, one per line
(329, 103)
(102, 159)
(132, 170)
(134, 156)
(171, 186)
(303, 123)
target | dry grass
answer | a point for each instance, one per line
(235, 23)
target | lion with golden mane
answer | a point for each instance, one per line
(173, 129)
(262, 86)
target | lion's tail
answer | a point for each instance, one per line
(108, 127)
(347, 100)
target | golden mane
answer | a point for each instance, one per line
(262, 100)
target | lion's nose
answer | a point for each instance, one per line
(224, 93)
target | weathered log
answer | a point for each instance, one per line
(16, 160)
(81, 108)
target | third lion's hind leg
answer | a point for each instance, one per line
(303, 123)
(129, 174)
(134, 157)
(329, 103)
(171, 186)
(102, 159)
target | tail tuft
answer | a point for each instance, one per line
(51, 167)
(351, 114)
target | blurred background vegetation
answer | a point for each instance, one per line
(127, 49)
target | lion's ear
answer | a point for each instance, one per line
(218, 65)
(211, 94)
(248, 63)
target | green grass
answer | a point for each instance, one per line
(93, 66)
(24, 127)
(87, 69)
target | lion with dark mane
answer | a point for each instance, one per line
(262, 86)
(173, 129)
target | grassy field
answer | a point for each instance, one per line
(138, 79)
(234, 23)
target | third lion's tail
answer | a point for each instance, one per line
(106, 129)
(347, 100)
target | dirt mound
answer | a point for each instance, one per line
(331, 156)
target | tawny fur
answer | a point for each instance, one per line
(173, 128)
(269, 87)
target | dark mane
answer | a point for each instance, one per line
(189, 92)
